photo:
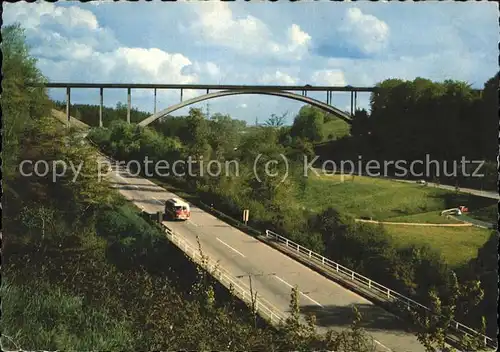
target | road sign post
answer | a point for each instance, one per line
(245, 215)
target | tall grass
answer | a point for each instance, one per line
(39, 316)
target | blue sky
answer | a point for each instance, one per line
(307, 42)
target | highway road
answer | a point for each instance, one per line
(273, 273)
(476, 192)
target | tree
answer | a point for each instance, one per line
(276, 121)
(308, 124)
(360, 126)
(224, 134)
(485, 269)
(435, 325)
(20, 103)
(195, 133)
(332, 224)
(488, 120)
(171, 126)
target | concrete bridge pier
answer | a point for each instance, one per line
(129, 102)
(68, 103)
(352, 96)
(155, 102)
(355, 101)
(101, 97)
(329, 96)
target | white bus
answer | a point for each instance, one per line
(177, 209)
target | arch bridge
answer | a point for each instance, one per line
(314, 102)
(221, 90)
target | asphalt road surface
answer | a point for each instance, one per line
(273, 273)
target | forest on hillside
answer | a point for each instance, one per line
(412, 120)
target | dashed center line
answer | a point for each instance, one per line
(303, 294)
(224, 243)
(383, 346)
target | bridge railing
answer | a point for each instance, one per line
(264, 308)
(386, 293)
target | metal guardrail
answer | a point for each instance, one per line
(373, 286)
(262, 306)
(267, 311)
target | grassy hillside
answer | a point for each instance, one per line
(381, 199)
(457, 245)
(386, 200)
(335, 128)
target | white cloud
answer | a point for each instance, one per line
(277, 77)
(242, 106)
(137, 65)
(148, 65)
(207, 70)
(66, 32)
(35, 14)
(66, 55)
(57, 46)
(297, 36)
(329, 78)
(216, 25)
(367, 32)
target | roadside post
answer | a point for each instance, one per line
(160, 216)
(245, 216)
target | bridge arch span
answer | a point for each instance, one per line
(314, 102)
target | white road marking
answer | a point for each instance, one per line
(303, 294)
(192, 223)
(224, 243)
(387, 348)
